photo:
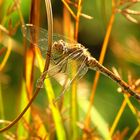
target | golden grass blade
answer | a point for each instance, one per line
(29, 62)
(6, 55)
(117, 118)
(6, 40)
(69, 9)
(54, 108)
(74, 106)
(1, 104)
(101, 59)
(21, 130)
(38, 123)
(135, 133)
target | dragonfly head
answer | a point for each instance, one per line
(58, 47)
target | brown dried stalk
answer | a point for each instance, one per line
(50, 30)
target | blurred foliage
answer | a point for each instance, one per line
(122, 53)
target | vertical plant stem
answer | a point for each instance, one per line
(67, 24)
(117, 118)
(121, 110)
(135, 133)
(79, 8)
(134, 111)
(1, 104)
(29, 66)
(45, 69)
(101, 59)
(54, 108)
(6, 55)
(29, 58)
(50, 32)
(22, 113)
(74, 107)
(20, 13)
(69, 9)
(30, 53)
(23, 100)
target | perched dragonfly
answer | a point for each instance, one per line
(65, 51)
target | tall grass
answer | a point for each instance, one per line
(71, 117)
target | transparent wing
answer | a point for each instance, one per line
(81, 71)
(61, 66)
(39, 37)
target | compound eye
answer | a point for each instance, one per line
(58, 47)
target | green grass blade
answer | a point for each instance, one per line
(21, 131)
(96, 119)
(1, 109)
(55, 112)
(1, 105)
(61, 135)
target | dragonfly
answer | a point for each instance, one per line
(65, 51)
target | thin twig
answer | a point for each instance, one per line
(101, 59)
(69, 9)
(6, 55)
(74, 109)
(49, 11)
(50, 33)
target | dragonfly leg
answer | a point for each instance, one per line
(59, 59)
(49, 73)
(71, 81)
(65, 56)
(59, 66)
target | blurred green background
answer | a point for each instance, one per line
(122, 53)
